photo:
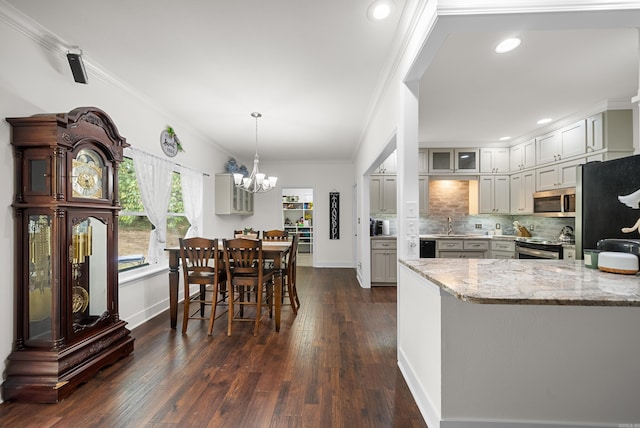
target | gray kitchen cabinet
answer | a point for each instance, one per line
(569, 253)
(494, 160)
(230, 199)
(467, 160)
(454, 160)
(494, 194)
(462, 248)
(564, 143)
(522, 156)
(383, 194)
(423, 194)
(557, 176)
(389, 166)
(384, 260)
(502, 249)
(441, 160)
(423, 161)
(522, 187)
(611, 130)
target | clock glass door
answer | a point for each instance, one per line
(88, 258)
(40, 278)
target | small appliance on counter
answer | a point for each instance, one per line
(375, 227)
(566, 235)
(619, 255)
(386, 230)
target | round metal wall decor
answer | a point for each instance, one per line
(168, 144)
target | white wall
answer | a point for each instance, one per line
(323, 179)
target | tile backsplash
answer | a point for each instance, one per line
(543, 227)
(451, 199)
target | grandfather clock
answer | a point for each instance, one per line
(66, 208)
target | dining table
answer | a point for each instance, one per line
(271, 250)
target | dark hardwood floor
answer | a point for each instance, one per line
(334, 365)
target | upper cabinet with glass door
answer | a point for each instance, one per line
(454, 160)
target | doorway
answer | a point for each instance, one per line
(297, 218)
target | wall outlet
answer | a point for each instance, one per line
(478, 225)
(531, 227)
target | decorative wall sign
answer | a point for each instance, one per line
(170, 142)
(334, 215)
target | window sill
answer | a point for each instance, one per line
(128, 277)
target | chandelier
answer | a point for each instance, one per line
(257, 182)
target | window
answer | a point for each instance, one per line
(135, 227)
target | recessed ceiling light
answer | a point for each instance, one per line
(545, 120)
(507, 45)
(380, 9)
(505, 138)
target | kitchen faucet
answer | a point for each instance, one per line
(449, 226)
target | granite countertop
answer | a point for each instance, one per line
(528, 282)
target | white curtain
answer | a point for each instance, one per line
(192, 194)
(154, 179)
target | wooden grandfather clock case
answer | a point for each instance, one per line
(66, 208)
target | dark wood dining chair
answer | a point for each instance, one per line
(289, 276)
(250, 284)
(253, 234)
(275, 235)
(202, 264)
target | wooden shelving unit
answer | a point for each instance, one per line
(297, 218)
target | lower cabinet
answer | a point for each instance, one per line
(503, 249)
(462, 249)
(384, 260)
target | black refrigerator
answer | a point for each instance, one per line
(600, 213)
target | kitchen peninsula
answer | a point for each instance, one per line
(535, 343)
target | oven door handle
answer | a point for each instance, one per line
(538, 253)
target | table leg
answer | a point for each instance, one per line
(174, 267)
(278, 298)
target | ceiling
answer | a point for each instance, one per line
(470, 94)
(315, 69)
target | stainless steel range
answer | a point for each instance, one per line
(536, 248)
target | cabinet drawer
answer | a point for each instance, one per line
(461, 255)
(476, 245)
(383, 244)
(450, 245)
(503, 245)
(503, 255)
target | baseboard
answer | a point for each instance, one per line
(139, 318)
(430, 413)
(330, 264)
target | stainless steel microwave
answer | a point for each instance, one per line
(555, 203)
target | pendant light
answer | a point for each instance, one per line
(257, 182)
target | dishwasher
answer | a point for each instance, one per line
(427, 248)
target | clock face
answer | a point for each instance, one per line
(87, 175)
